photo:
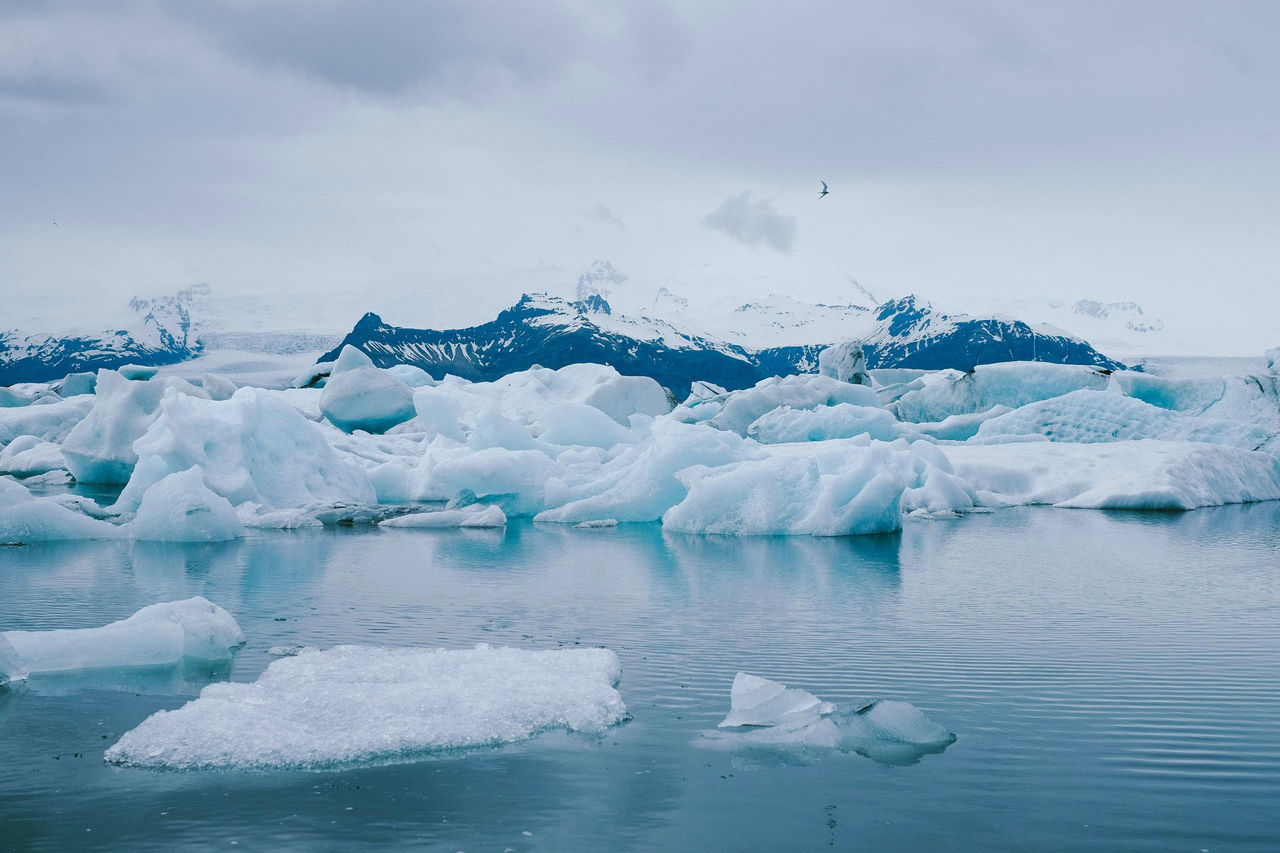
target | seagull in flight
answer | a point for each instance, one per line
(824, 189)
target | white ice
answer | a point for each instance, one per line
(370, 704)
(181, 508)
(159, 634)
(25, 518)
(471, 516)
(768, 718)
(358, 395)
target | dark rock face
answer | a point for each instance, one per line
(541, 330)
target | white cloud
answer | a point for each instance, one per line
(753, 222)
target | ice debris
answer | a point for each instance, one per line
(770, 720)
(473, 515)
(159, 634)
(353, 704)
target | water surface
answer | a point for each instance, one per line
(1112, 678)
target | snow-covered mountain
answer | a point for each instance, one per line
(553, 332)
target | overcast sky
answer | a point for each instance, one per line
(432, 160)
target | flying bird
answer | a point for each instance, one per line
(824, 189)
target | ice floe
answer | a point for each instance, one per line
(354, 704)
(771, 722)
(181, 508)
(159, 634)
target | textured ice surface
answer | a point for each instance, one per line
(99, 449)
(471, 516)
(846, 362)
(370, 704)
(253, 447)
(29, 455)
(1144, 474)
(11, 666)
(25, 518)
(48, 422)
(756, 701)
(770, 720)
(1013, 384)
(1087, 417)
(181, 508)
(160, 634)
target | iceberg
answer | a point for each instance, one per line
(159, 634)
(358, 395)
(359, 704)
(25, 518)
(181, 508)
(29, 456)
(99, 449)
(769, 720)
(11, 666)
(253, 447)
(48, 422)
(846, 362)
(1013, 384)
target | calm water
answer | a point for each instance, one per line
(1114, 680)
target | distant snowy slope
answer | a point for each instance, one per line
(552, 332)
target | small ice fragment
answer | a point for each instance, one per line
(596, 523)
(755, 701)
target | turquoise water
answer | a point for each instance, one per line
(1113, 679)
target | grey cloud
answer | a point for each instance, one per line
(397, 47)
(753, 222)
(604, 216)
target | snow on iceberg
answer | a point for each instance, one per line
(768, 719)
(358, 395)
(252, 447)
(181, 508)
(354, 704)
(159, 634)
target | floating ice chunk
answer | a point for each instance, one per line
(794, 725)
(25, 518)
(1273, 359)
(11, 666)
(756, 701)
(1011, 384)
(181, 508)
(28, 455)
(50, 422)
(361, 396)
(253, 447)
(597, 524)
(99, 449)
(845, 362)
(160, 634)
(1145, 474)
(471, 516)
(367, 704)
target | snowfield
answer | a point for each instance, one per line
(844, 451)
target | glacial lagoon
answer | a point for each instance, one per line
(1111, 678)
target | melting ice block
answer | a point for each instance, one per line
(160, 634)
(470, 516)
(369, 704)
(756, 701)
(11, 666)
(791, 724)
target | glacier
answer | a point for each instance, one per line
(370, 704)
(803, 454)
